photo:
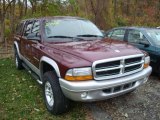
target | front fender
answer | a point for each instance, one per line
(50, 62)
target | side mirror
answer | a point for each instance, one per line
(145, 43)
(34, 36)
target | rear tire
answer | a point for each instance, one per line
(55, 101)
(18, 61)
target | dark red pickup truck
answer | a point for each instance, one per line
(72, 60)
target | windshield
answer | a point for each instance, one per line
(155, 35)
(70, 28)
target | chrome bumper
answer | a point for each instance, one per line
(98, 90)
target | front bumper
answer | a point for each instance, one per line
(98, 90)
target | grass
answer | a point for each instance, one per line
(21, 97)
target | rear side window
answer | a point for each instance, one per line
(28, 28)
(118, 34)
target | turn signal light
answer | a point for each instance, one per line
(78, 78)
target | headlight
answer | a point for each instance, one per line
(146, 61)
(77, 74)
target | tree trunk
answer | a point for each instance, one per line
(2, 21)
(12, 17)
(25, 4)
(94, 11)
(20, 5)
(115, 8)
(2, 25)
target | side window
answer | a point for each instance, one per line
(36, 27)
(135, 36)
(28, 28)
(118, 34)
(108, 35)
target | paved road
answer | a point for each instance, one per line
(142, 104)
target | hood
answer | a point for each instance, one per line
(97, 49)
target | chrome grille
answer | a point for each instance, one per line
(117, 67)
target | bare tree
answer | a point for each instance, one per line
(4, 5)
(12, 16)
(34, 5)
(115, 8)
(26, 6)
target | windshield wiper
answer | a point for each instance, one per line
(89, 35)
(59, 36)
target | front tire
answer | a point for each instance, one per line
(54, 98)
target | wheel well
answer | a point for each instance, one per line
(156, 66)
(46, 67)
(15, 48)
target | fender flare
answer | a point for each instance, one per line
(17, 48)
(50, 62)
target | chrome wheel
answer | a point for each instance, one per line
(49, 94)
(16, 60)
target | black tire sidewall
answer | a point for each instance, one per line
(60, 101)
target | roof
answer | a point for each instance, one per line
(135, 27)
(55, 17)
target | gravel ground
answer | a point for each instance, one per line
(142, 104)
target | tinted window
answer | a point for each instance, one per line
(28, 28)
(118, 34)
(135, 36)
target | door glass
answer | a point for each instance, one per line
(135, 36)
(108, 35)
(36, 27)
(28, 28)
(118, 34)
(155, 35)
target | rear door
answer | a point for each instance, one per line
(18, 35)
(25, 43)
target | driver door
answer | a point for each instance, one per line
(35, 44)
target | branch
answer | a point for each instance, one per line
(8, 6)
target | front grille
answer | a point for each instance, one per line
(132, 60)
(117, 67)
(109, 72)
(119, 88)
(108, 64)
(132, 68)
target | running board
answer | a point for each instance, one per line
(32, 73)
